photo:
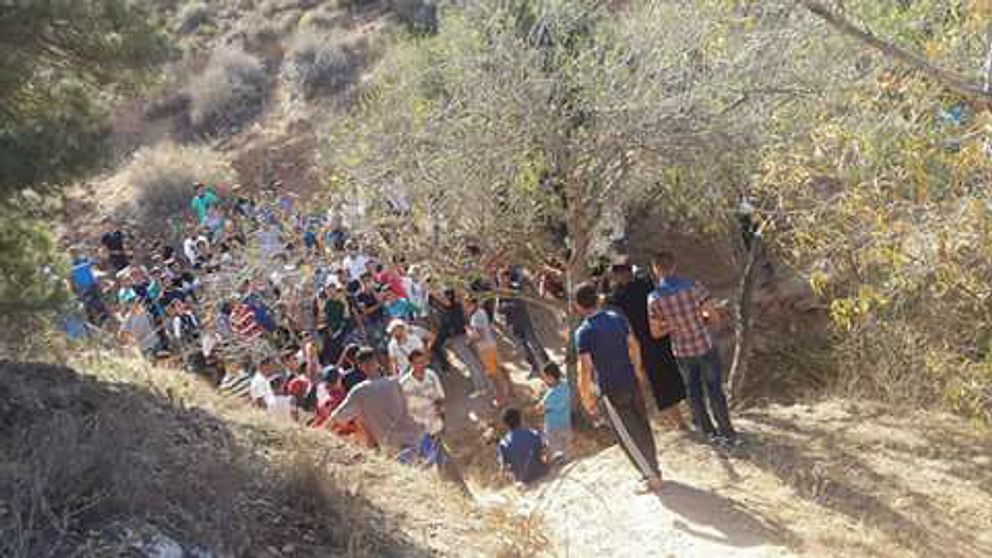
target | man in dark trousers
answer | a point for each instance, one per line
(630, 295)
(610, 373)
(683, 309)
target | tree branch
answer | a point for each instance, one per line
(949, 79)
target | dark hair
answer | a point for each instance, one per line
(416, 353)
(365, 355)
(351, 351)
(511, 418)
(663, 259)
(585, 296)
(552, 371)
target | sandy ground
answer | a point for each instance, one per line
(828, 479)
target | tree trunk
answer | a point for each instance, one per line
(743, 318)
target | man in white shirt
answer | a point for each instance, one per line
(424, 394)
(355, 262)
(403, 340)
(261, 393)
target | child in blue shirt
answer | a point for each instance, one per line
(521, 451)
(557, 407)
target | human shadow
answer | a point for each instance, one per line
(840, 481)
(87, 462)
(713, 517)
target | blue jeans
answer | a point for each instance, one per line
(702, 378)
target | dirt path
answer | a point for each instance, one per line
(830, 479)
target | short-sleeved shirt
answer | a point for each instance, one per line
(520, 451)
(355, 264)
(201, 204)
(452, 320)
(400, 352)
(83, 277)
(139, 326)
(381, 406)
(678, 304)
(603, 336)
(261, 388)
(480, 323)
(365, 300)
(557, 403)
(334, 314)
(421, 398)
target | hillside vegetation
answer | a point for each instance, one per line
(110, 456)
(826, 166)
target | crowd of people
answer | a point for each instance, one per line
(308, 320)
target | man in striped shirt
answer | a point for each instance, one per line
(682, 308)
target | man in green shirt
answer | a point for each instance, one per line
(335, 321)
(202, 202)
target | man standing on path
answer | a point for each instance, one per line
(630, 295)
(610, 372)
(681, 308)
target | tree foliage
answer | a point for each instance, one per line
(535, 124)
(56, 60)
(61, 62)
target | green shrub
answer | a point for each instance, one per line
(192, 16)
(161, 179)
(231, 92)
(317, 64)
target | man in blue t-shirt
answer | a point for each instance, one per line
(84, 283)
(521, 451)
(610, 372)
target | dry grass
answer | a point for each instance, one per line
(86, 457)
(161, 180)
(192, 15)
(230, 93)
(317, 63)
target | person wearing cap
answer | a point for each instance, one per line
(403, 340)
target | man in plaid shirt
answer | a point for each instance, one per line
(681, 308)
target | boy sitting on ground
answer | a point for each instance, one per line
(521, 451)
(557, 406)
